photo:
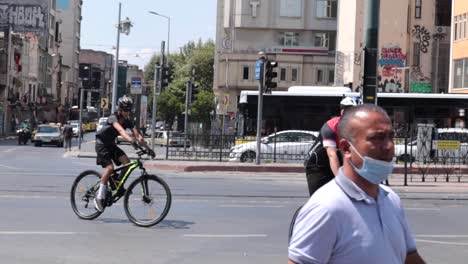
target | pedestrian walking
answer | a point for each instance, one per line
(323, 158)
(354, 219)
(68, 135)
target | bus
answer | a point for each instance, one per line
(89, 117)
(307, 108)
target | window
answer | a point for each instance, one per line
(283, 74)
(290, 39)
(319, 76)
(291, 8)
(458, 74)
(464, 27)
(416, 53)
(245, 72)
(325, 40)
(417, 9)
(465, 73)
(326, 8)
(294, 75)
(455, 31)
(331, 76)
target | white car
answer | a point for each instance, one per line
(171, 139)
(283, 145)
(48, 135)
(409, 155)
(102, 121)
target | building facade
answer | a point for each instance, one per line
(299, 34)
(69, 16)
(29, 75)
(95, 76)
(459, 53)
(413, 45)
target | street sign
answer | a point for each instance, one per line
(258, 69)
(135, 87)
(446, 144)
(104, 103)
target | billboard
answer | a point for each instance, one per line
(25, 16)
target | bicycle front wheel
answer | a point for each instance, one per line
(147, 200)
(83, 192)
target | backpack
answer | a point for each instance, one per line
(317, 156)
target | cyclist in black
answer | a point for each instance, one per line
(107, 149)
(324, 159)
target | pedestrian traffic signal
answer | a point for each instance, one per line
(270, 75)
(166, 76)
(194, 91)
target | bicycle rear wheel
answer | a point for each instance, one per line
(147, 200)
(83, 192)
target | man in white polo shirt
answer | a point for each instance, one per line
(354, 219)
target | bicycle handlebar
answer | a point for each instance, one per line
(144, 150)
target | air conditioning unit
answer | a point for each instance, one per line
(441, 30)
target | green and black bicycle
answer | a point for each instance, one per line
(147, 199)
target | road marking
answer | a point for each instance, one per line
(29, 197)
(9, 150)
(422, 209)
(442, 242)
(251, 206)
(36, 233)
(443, 236)
(8, 167)
(226, 235)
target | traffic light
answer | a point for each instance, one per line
(193, 93)
(166, 76)
(270, 75)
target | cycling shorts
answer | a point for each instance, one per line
(106, 154)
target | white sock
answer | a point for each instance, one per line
(102, 191)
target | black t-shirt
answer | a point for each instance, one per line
(108, 133)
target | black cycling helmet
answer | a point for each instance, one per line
(125, 103)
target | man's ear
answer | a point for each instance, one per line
(344, 146)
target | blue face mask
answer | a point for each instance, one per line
(374, 171)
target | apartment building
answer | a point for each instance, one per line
(28, 57)
(299, 34)
(95, 75)
(69, 17)
(413, 45)
(459, 52)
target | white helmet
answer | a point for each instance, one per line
(347, 101)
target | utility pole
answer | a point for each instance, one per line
(156, 91)
(116, 65)
(369, 91)
(259, 75)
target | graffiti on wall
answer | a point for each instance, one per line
(419, 82)
(391, 57)
(25, 16)
(390, 76)
(421, 34)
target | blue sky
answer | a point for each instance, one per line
(190, 20)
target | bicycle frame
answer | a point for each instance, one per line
(131, 166)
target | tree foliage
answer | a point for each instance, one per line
(199, 54)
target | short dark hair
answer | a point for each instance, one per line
(344, 128)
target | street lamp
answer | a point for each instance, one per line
(123, 26)
(168, 29)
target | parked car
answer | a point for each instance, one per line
(171, 139)
(48, 135)
(101, 122)
(284, 144)
(411, 150)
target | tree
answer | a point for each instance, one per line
(202, 108)
(168, 107)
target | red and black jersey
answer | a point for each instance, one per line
(329, 132)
